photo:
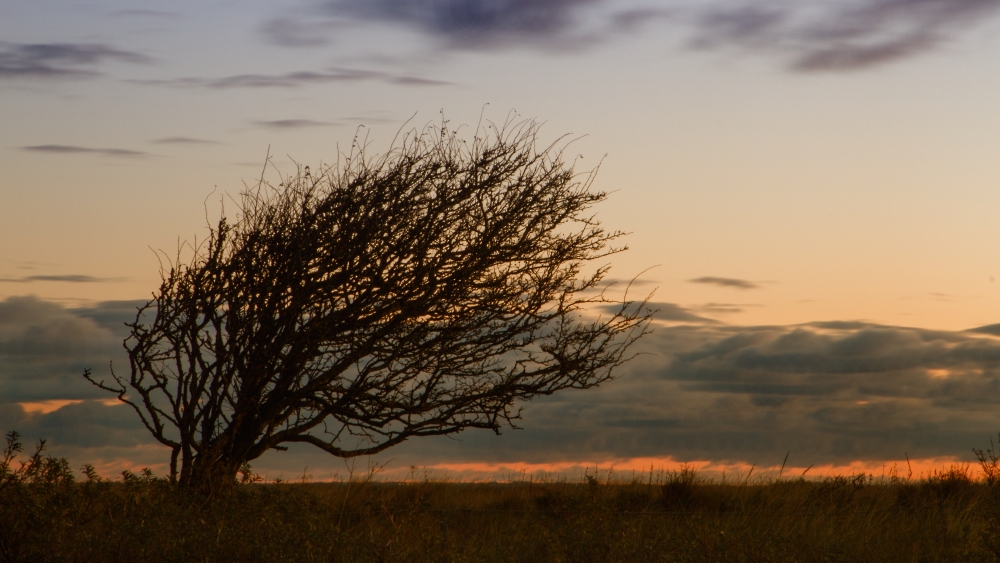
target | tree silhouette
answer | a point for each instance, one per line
(418, 293)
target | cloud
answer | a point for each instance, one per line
(45, 347)
(628, 20)
(293, 32)
(292, 79)
(71, 278)
(302, 123)
(111, 315)
(292, 123)
(988, 329)
(626, 282)
(831, 392)
(810, 36)
(726, 282)
(417, 81)
(473, 24)
(669, 312)
(140, 13)
(840, 36)
(80, 424)
(673, 312)
(722, 308)
(184, 141)
(73, 149)
(60, 60)
(286, 80)
(48, 406)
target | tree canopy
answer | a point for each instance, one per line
(417, 293)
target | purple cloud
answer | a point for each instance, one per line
(73, 149)
(840, 37)
(60, 60)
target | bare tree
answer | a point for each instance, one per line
(418, 293)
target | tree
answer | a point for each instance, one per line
(419, 293)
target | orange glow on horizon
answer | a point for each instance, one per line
(112, 468)
(622, 470)
(660, 467)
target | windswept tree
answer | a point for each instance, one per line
(418, 293)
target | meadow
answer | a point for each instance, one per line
(47, 514)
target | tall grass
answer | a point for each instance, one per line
(48, 515)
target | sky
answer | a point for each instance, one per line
(810, 187)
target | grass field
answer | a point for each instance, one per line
(47, 515)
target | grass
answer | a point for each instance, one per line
(49, 515)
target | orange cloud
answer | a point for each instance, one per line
(52, 405)
(46, 407)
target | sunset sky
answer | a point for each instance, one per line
(817, 184)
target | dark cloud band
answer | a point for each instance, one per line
(476, 24)
(293, 79)
(141, 13)
(71, 278)
(73, 149)
(811, 36)
(840, 36)
(827, 392)
(830, 392)
(60, 60)
(726, 282)
(293, 32)
(291, 123)
(184, 141)
(668, 312)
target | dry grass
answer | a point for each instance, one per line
(677, 517)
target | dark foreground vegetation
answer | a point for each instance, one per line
(47, 515)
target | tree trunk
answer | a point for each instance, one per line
(209, 476)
